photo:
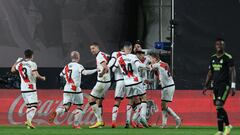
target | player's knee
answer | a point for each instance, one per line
(117, 102)
(219, 103)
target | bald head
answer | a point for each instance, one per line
(75, 56)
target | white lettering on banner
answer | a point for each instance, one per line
(44, 110)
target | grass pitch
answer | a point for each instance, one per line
(67, 130)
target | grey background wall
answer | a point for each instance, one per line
(53, 28)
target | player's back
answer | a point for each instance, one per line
(117, 74)
(25, 69)
(129, 69)
(164, 74)
(72, 73)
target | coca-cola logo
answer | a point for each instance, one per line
(17, 113)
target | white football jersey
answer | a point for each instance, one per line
(25, 69)
(100, 58)
(163, 73)
(129, 65)
(143, 73)
(72, 73)
(117, 73)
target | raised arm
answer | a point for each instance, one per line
(88, 72)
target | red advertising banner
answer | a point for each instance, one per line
(194, 108)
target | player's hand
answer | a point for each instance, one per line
(204, 90)
(43, 78)
(233, 91)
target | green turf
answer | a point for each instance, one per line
(66, 130)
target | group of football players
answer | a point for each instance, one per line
(128, 66)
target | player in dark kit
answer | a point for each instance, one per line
(220, 77)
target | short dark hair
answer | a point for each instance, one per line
(127, 44)
(220, 40)
(28, 53)
(154, 55)
(94, 43)
(138, 42)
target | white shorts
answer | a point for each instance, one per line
(134, 90)
(120, 89)
(30, 97)
(142, 91)
(167, 93)
(75, 98)
(100, 89)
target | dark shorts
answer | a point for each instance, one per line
(220, 93)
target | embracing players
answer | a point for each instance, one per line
(28, 73)
(222, 76)
(168, 88)
(129, 66)
(103, 83)
(72, 94)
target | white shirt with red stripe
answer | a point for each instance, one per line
(72, 73)
(129, 66)
(163, 73)
(100, 58)
(25, 69)
(143, 73)
(117, 73)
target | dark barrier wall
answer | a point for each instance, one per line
(199, 23)
(53, 28)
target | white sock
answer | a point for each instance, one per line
(78, 113)
(164, 117)
(114, 113)
(144, 109)
(128, 114)
(30, 113)
(137, 113)
(97, 112)
(172, 113)
(60, 110)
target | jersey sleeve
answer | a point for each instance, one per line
(230, 62)
(210, 67)
(112, 61)
(81, 69)
(34, 66)
(116, 65)
(63, 72)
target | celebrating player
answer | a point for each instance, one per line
(168, 88)
(119, 90)
(72, 94)
(102, 85)
(28, 73)
(222, 74)
(129, 65)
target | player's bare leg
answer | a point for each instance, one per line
(115, 112)
(78, 113)
(59, 111)
(167, 110)
(144, 106)
(97, 112)
(30, 113)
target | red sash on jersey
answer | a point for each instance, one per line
(104, 56)
(128, 73)
(22, 74)
(69, 79)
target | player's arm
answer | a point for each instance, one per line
(105, 68)
(13, 68)
(207, 81)
(88, 72)
(232, 72)
(38, 76)
(112, 62)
